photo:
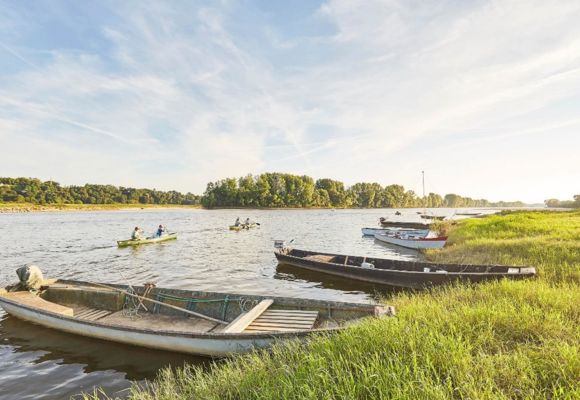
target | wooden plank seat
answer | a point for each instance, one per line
(320, 258)
(34, 301)
(91, 314)
(239, 324)
(283, 321)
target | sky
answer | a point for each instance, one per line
(484, 96)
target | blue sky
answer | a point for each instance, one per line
(482, 95)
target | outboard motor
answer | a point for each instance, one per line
(30, 277)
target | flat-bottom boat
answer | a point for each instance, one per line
(412, 241)
(195, 322)
(398, 273)
(152, 239)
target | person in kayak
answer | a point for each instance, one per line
(248, 222)
(237, 223)
(160, 231)
(136, 235)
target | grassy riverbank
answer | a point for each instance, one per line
(30, 207)
(501, 340)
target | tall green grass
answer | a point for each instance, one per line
(500, 340)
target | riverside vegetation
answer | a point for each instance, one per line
(499, 340)
(269, 190)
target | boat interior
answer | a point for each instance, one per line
(398, 265)
(173, 310)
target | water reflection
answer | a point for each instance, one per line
(52, 345)
(319, 280)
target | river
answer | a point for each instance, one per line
(39, 363)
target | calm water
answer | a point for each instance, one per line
(38, 363)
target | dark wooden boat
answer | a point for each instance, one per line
(404, 224)
(398, 273)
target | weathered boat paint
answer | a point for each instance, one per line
(398, 273)
(211, 343)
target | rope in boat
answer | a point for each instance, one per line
(245, 303)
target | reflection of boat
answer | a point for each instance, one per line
(322, 280)
(222, 324)
(94, 355)
(374, 231)
(409, 274)
(152, 239)
(411, 240)
(241, 227)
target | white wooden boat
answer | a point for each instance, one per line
(195, 322)
(374, 231)
(413, 242)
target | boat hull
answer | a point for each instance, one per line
(399, 273)
(400, 224)
(216, 347)
(374, 231)
(418, 244)
(127, 243)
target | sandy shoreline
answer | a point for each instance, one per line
(18, 209)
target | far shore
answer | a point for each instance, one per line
(8, 208)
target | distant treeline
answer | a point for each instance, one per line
(564, 203)
(285, 190)
(20, 190)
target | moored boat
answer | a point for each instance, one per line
(374, 231)
(404, 223)
(152, 239)
(411, 241)
(221, 323)
(399, 273)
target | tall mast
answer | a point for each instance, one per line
(424, 199)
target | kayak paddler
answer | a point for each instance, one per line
(237, 223)
(136, 235)
(160, 230)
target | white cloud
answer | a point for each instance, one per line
(398, 87)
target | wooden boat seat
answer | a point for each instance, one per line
(91, 314)
(283, 321)
(239, 324)
(34, 301)
(320, 258)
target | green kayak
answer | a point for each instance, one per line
(154, 239)
(242, 227)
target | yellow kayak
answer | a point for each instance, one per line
(154, 239)
(242, 227)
